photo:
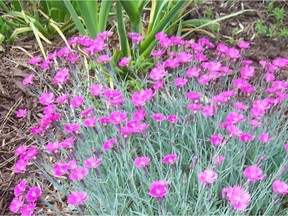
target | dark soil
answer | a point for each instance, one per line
(14, 67)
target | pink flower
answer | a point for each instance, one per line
(238, 196)
(20, 166)
(286, 146)
(87, 111)
(61, 76)
(114, 96)
(218, 159)
(180, 82)
(208, 110)
(280, 187)
(62, 98)
(90, 121)
(117, 117)
(66, 143)
(139, 114)
(96, 89)
(141, 97)
(104, 58)
(157, 73)
(28, 209)
(77, 101)
(78, 174)
(21, 113)
(53, 146)
(243, 44)
(194, 96)
(136, 37)
(141, 161)
(28, 80)
(60, 169)
(71, 127)
(77, 198)
(35, 60)
(247, 72)
(158, 84)
(158, 188)
(16, 204)
(216, 140)
(240, 106)
(193, 72)
(208, 176)
(234, 118)
(124, 61)
(253, 173)
(64, 51)
(108, 144)
(92, 162)
(233, 53)
(194, 107)
(46, 98)
(20, 150)
(170, 159)
(33, 194)
(246, 137)
(20, 188)
(233, 130)
(158, 117)
(240, 83)
(264, 137)
(172, 118)
(72, 58)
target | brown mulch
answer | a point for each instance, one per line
(14, 67)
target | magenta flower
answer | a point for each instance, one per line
(169, 159)
(243, 44)
(157, 73)
(20, 150)
(61, 76)
(264, 137)
(158, 117)
(67, 143)
(90, 121)
(16, 204)
(108, 144)
(286, 146)
(180, 82)
(20, 166)
(247, 72)
(77, 198)
(141, 161)
(70, 128)
(20, 188)
(218, 159)
(124, 61)
(234, 131)
(64, 51)
(46, 98)
(104, 120)
(28, 209)
(136, 37)
(62, 98)
(240, 106)
(141, 97)
(77, 101)
(28, 80)
(35, 60)
(207, 176)
(193, 96)
(33, 194)
(60, 169)
(246, 137)
(53, 146)
(254, 123)
(193, 72)
(208, 110)
(194, 107)
(158, 189)
(280, 187)
(234, 118)
(72, 164)
(217, 140)
(139, 114)
(172, 118)
(87, 111)
(158, 84)
(114, 96)
(253, 173)
(78, 174)
(31, 153)
(239, 197)
(233, 53)
(117, 117)
(92, 162)
(104, 58)
(96, 89)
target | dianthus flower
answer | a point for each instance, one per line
(46, 98)
(62, 99)
(157, 73)
(141, 97)
(90, 121)
(33, 194)
(28, 80)
(141, 161)
(193, 72)
(139, 114)
(20, 188)
(71, 127)
(96, 89)
(172, 118)
(218, 159)
(253, 173)
(124, 61)
(92, 162)
(117, 117)
(35, 60)
(238, 196)
(61, 76)
(264, 137)
(280, 187)
(246, 137)
(108, 144)
(208, 176)
(78, 174)
(216, 140)
(170, 159)
(21, 113)
(158, 188)
(136, 37)
(208, 110)
(180, 82)
(16, 204)
(104, 58)
(77, 101)
(77, 198)
(158, 117)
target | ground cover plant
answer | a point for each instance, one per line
(204, 133)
